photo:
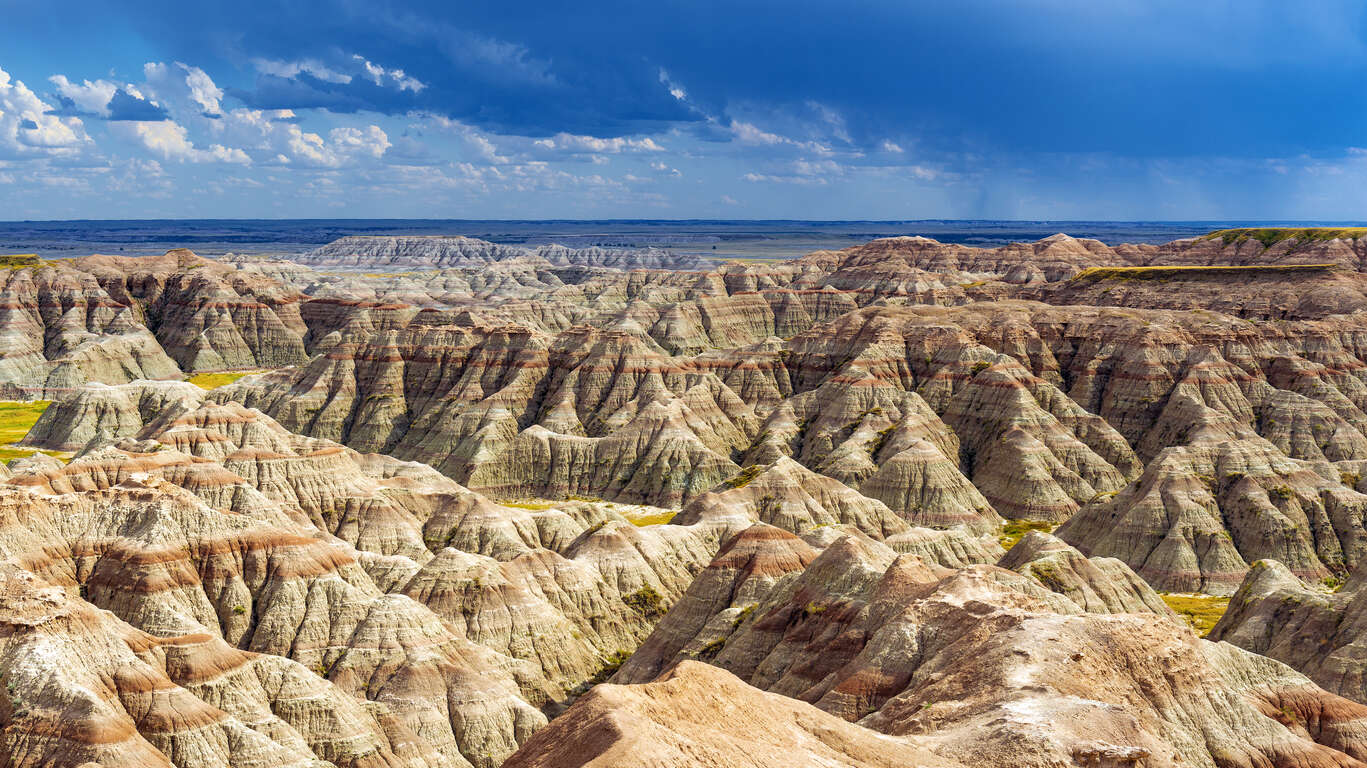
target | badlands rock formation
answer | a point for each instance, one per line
(980, 665)
(699, 715)
(379, 252)
(433, 518)
(1318, 631)
(114, 319)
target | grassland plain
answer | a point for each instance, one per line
(1202, 612)
(216, 380)
(16, 419)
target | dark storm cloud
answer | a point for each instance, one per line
(1140, 78)
(125, 106)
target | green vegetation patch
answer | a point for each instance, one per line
(645, 601)
(20, 261)
(659, 518)
(1270, 236)
(1097, 274)
(16, 419)
(746, 475)
(1015, 530)
(709, 652)
(610, 666)
(535, 506)
(1202, 612)
(215, 380)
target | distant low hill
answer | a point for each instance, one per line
(381, 252)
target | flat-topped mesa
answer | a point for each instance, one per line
(927, 271)
(1056, 257)
(1278, 291)
(434, 252)
(1346, 246)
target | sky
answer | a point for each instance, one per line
(744, 109)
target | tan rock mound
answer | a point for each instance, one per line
(698, 715)
(1319, 632)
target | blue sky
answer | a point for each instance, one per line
(848, 109)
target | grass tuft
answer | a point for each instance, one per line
(645, 601)
(746, 475)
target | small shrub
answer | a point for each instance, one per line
(1280, 492)
(742, 616)
(610, 666)
(239, 609)
(1015, 530)
(645, 601)
(709, 652)
(768, 506)
(980, 366)
(746, 475)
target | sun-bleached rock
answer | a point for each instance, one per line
(698, 715)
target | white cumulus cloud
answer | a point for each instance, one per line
(171, 141)
(203, 91)
(571, 143)
(381, 76)
(292, 69)
(88, 96)
(26, 128)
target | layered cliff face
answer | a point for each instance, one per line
(113, 319)
(61, 329)
(949, 416)
(206, 315)
(581, 574)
